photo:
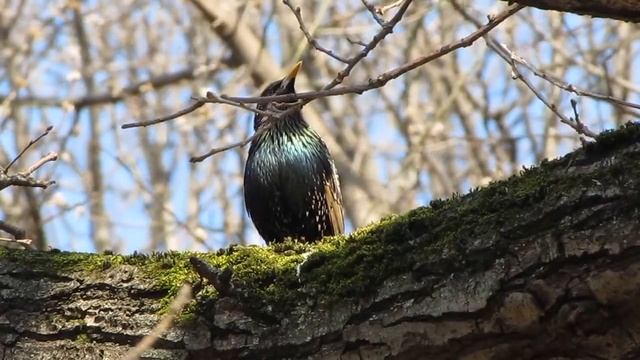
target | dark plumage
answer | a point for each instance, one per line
(291, 186)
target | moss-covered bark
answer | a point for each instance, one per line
(545, 263)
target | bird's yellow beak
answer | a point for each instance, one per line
(293, 72)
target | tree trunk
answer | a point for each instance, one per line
(542, 265)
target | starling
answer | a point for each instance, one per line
(291, 186)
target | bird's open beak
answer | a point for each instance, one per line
(291, 76)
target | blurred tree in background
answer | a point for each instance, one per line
(456, 123)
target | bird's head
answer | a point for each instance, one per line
(283, 86)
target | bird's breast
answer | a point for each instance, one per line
(276, 153)
(290, 185)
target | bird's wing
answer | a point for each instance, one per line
(334, 203)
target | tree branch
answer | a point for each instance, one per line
(577, 126)
(24, 178)
(195, 159)
(613, 9)
(137, 88)
(330, 89)
(513, 60)
(545, 263)
(31, 142)
(298, 13)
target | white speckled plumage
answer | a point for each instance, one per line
(291, 187)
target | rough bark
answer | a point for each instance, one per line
(543, 265)
(626, 10)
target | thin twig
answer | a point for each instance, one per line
(513, 59)
(52, 156)
(379, 81)
(191, 108)
(387, 28)
(313, 42)
(374, 12)
(222, 99)
(330, 89)
(24, 178)
(356, 42)
(31, 142)
(570, 87)
(210, 98)
(383, 9)
(179, 302)
(385, 77)
(576, 118)
(239, 102)
(195, 159)
(579, 128)
(116, 95)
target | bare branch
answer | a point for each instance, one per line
(387, 28)
(52, 156)
(222, 99)
(329, 89)
(513, 60)
(210, 98)
(109, 97)
(382, 79)
(23, 180)
(576, 118)
(356, 42)
(298, 13)
(191, 108)
(379, 81)
(385, 77)
(578, 127)
(31, 142)
(374, 12)
(383, 9)
(195, 159)
(570, 87)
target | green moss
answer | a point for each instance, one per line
(463, 233)
(83, 339)
(50, 261)
(614, 139)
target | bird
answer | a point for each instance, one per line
(291, 186)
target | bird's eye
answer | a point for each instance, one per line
(257, 121)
